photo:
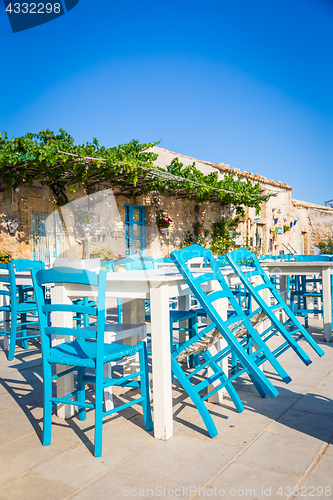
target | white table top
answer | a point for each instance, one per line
(296, 267)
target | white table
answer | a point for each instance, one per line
(322, 268)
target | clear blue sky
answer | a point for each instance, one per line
(243, 82)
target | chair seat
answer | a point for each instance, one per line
(83, 353)
(181, 315)
(176, 315)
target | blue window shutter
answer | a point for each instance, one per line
(135, 242)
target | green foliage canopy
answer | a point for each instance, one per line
(54, 160)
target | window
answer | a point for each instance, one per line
(135, 230)
(258, 235)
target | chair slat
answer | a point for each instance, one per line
(70, 308)
(71, 332)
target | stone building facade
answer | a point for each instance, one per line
(283, 226)
(45, 231)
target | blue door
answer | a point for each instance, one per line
(135, 230)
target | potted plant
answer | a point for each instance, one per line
(12, 226)
(163, 221)
(5, 256)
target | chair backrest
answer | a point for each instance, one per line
(137, 264)
(7, 277)
(66, 275)
(313, 258)
(27, 264)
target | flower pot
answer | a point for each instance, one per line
(164, 230)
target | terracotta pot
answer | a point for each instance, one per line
(164, 230)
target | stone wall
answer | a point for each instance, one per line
(20, 205)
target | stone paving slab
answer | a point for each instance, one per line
(250, 482)
(273, 446)
(37, 487)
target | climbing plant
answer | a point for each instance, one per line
(223, 234)
(55, 160)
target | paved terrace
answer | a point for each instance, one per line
(272, 447)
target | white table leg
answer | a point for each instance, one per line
(327, 304)
(161, 361)
(283, 286)
(65, 384)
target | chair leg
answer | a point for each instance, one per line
(234, 361)
(194, 360)
(99, 414)
(171, 344)
(23, 332)
(13, 331)
(229, 387)
(119, 311)
(201, 407)
(144, 382)
(81, 394)
(256, 384)
(47, 407)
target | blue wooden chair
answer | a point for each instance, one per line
(86, 350)
(304, 288)
(249, 348)
(21, 306)
(298, 332)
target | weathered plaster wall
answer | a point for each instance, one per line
(19, 205)
(183, 213)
